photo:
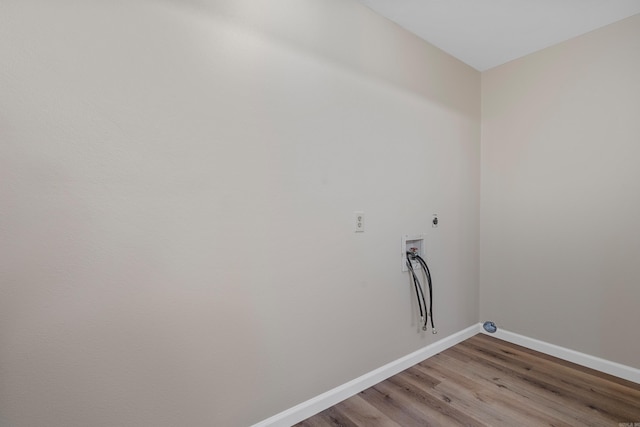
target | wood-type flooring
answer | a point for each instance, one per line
(484, 381)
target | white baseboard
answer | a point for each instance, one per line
(602, 365)
(319, 403)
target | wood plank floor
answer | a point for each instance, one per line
(484, 381)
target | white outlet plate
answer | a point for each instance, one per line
(358, 221)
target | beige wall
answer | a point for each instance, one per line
(177, 187)
(560, 234)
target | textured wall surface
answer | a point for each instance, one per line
(177, 183)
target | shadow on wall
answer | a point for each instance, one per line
(367, 53)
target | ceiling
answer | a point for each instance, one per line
(487, 33)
